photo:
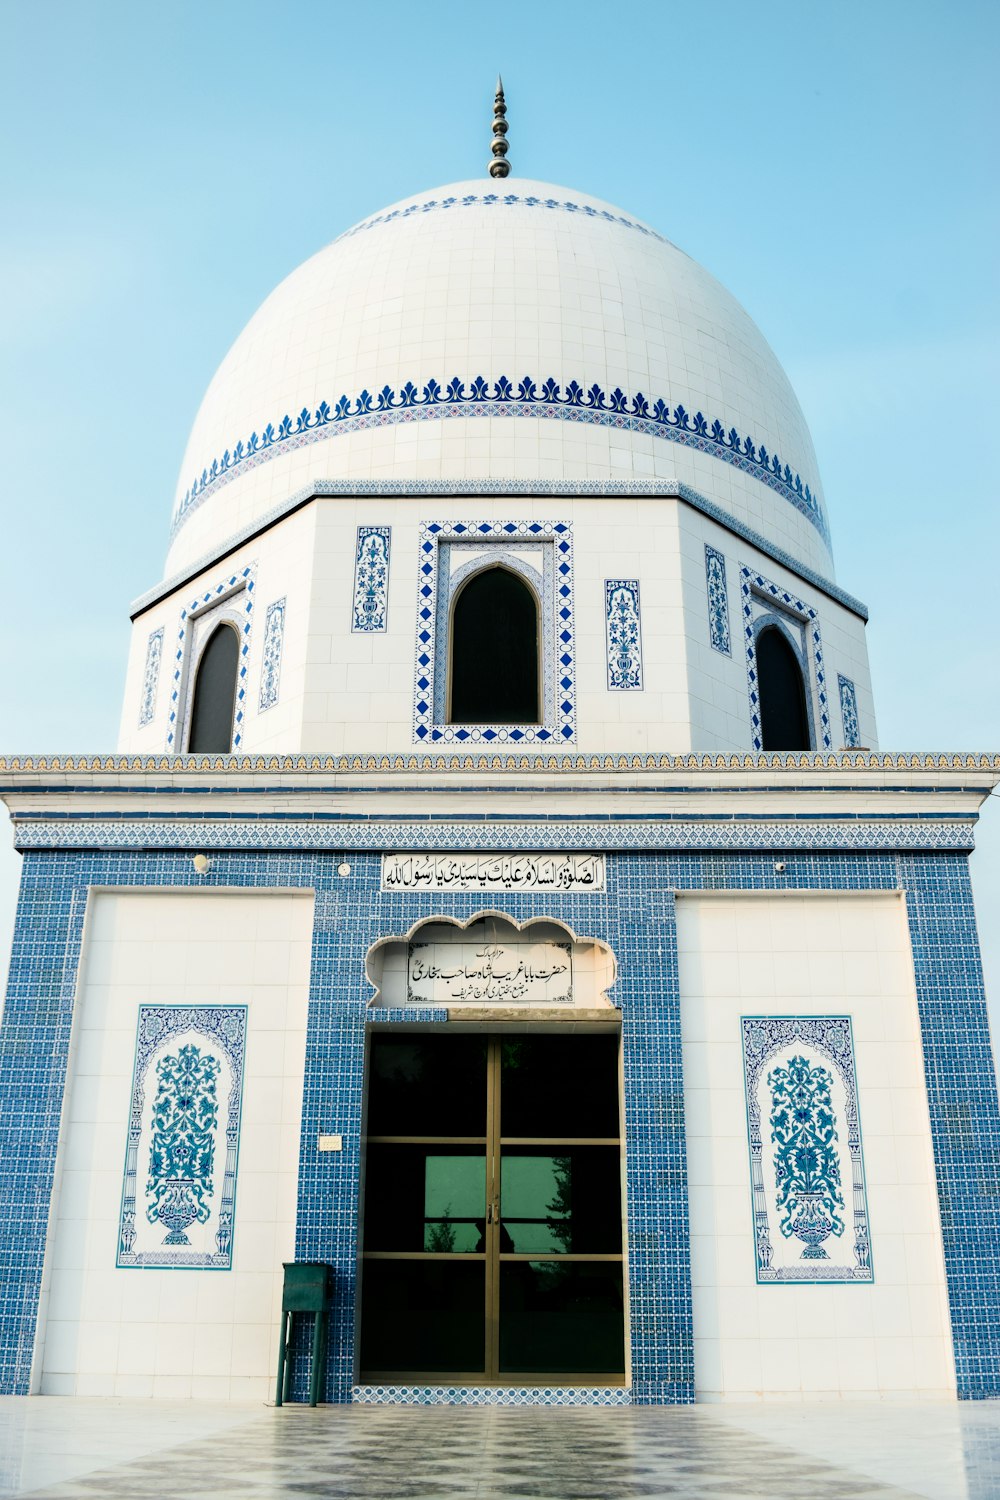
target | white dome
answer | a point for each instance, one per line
(573, 342)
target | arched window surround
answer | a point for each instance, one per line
(504, 561)
(541, 554)
(765, 604)
(229, 600)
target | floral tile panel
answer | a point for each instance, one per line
(810, 1204)
(179, 1193)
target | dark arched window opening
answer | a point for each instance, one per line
(494, 651)
(784, 720)
(214, 698)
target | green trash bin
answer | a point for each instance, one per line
(308, 1288)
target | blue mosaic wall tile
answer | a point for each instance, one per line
(635, 917)
(964, 1108)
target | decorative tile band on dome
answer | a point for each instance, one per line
(570, 403)
(501, 200)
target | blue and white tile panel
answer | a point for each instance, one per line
(635, 917)
(270, 667)
(491, 1395)
(370, 608)
(849, 712)
(781, 600)
(225, 591)
(810, 1206)
(151, 678)
(240, 832)
(623, 628)
(179, 1192)
(428, 399)
(557, 643)
(718, 601)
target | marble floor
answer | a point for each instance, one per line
(55, 1448)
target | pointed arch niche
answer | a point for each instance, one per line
(494, 667)
(213, 699)
(491, 963)
(781, 684)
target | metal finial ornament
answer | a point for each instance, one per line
(499, 166)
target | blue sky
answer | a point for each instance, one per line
(834, 165)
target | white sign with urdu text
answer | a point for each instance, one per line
(570, 873)
(489, 974)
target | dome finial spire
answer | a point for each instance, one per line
(499, 166)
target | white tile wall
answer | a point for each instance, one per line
(810, 955)
(189, 1333)
(344, 692)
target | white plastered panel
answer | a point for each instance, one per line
(810, 955)
(206, 1334)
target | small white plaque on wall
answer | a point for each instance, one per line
(489, 974)
(568, 873)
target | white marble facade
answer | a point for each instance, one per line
(886, 1329)
(534, 284)
(342, 689)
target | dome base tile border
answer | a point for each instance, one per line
(546, 399)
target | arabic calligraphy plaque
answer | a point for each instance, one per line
(489, 974)
(493, 872)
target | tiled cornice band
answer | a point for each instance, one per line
(572, 489)
(236, 833)
(480, 397)
(544, 760)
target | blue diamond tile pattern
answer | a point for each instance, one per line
(441, 573)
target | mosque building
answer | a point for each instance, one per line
(497, 894)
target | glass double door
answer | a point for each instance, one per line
(492, 1228)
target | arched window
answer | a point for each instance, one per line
(494, 651)
(784, 720)
(214, 698)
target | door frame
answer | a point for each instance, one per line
(491, 1255)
